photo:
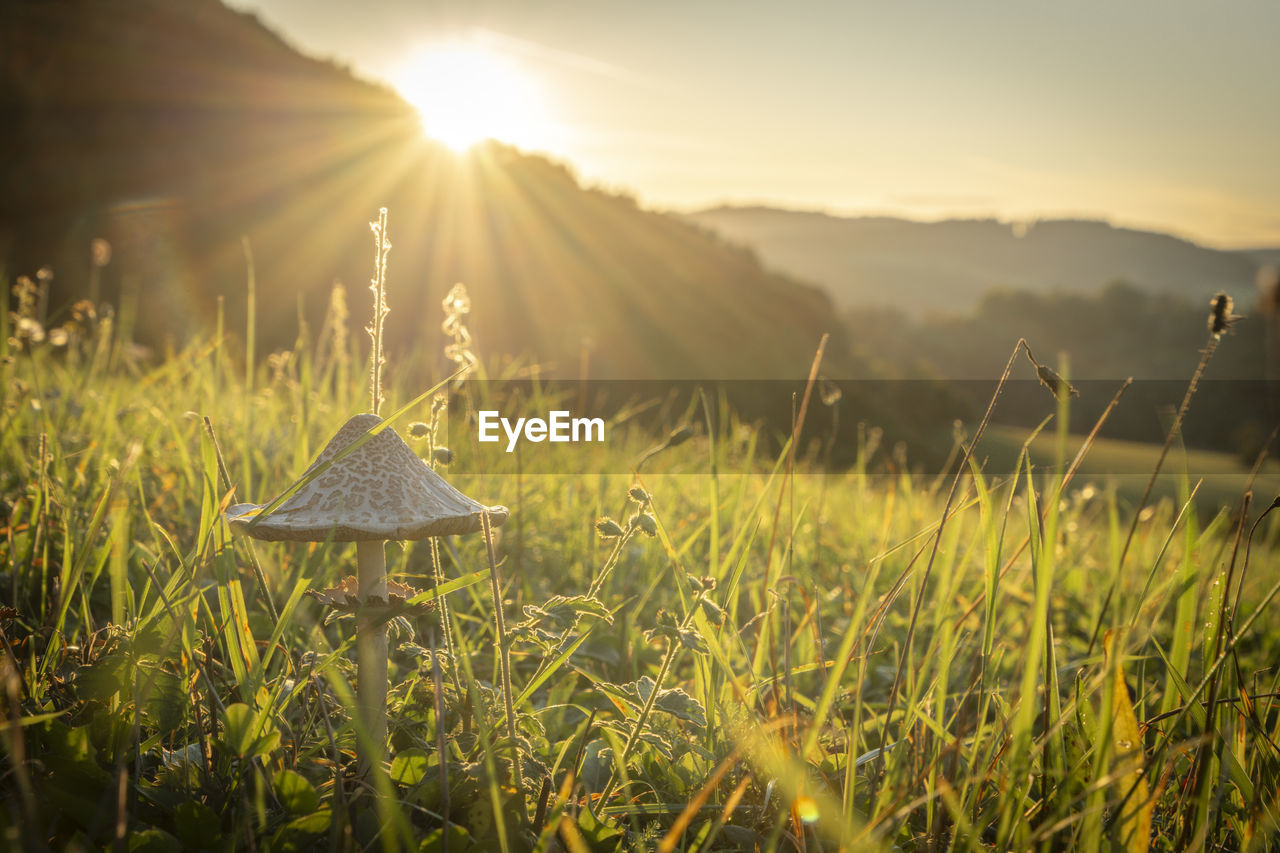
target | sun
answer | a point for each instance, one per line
(466, 93)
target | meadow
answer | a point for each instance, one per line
(695, 638)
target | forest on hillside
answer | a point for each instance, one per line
(1098, 340)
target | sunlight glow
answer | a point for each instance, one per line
(466, 93)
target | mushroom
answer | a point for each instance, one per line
(381, 490)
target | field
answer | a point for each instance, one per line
(1127, 465)
(728, 649)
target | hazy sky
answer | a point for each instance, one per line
(1152, 113)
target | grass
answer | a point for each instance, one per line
(732, 666)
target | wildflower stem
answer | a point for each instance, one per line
(598, 584)
(437, 571)
(673, 649)
(379, 288)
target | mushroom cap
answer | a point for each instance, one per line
(382, 490)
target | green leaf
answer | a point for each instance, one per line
(446, 588)
(103, 678)
(534, 634)
(562, 606)
(243, 736)
(300, 833)
(714, 612)
(549, 668)
(600, 837)
(673, 701)
(295, 793)
(197, 824)
(648, 737)
(80, 790)
(692, 640)
(149, 641)
(547, 624)
(57, 738)
(409, 767)
(166, 700)
(153, 841)
(1133, 823)
(459, 840)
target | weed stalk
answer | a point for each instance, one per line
(504, 657)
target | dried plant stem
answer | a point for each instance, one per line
(446, 621)
(1174, 430)
(504, 658)
(937, 539)
(946, 514)
(441, 746)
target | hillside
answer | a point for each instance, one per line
(1122, 332)
(171, 129)
(923, 267)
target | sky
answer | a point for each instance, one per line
(1161, 114)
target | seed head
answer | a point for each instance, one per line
(418, 429)
(639, 495)
(704, 583)
(829, 390)
(100, 250)
(715, 613)
(646, 523)
(442, 456)
(83, 312)
(608, 528)
(679, 436)
(1220, 317)
(1049, 378)
(666, 619)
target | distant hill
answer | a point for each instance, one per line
(173, 128)
(947, 266)
(1101, 339)
(1270, 257)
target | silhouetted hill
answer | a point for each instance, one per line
(1270, 257)
(1121, 332)
(947, 266)
(173, 128)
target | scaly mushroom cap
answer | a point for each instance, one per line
(382, 490)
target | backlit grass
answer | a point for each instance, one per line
(729, 668)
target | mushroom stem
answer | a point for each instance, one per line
(371, 654)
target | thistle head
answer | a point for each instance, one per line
(1220, 317)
